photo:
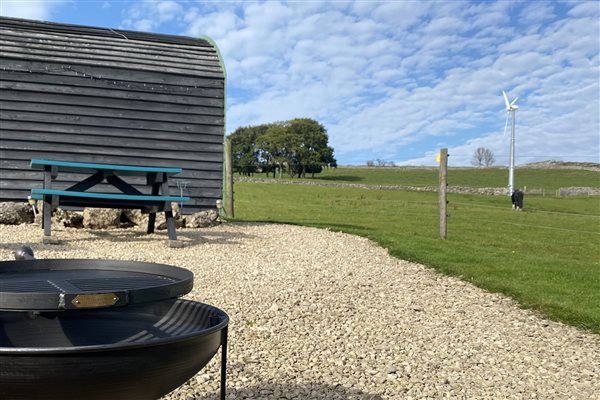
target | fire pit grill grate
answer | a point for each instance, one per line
(42, 285)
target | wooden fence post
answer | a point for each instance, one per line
(443, 192)
(228, 183)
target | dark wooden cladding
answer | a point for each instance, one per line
(91, 110)
(33, 97)
(67, 76)
(117, 76)
(114, 148)
(78, 44)
(212, 133)
(31, 138)
(87, 94)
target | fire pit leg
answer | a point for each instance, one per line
(223, 362)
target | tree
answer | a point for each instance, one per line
(483, 157)
(274, 149)
(298, 146)
(245, 153)
(309, 147)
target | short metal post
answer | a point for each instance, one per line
(223, 362)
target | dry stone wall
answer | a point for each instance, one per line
(487, 191)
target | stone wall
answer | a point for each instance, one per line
(577, 191)
(488, 191)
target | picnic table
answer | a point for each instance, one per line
(157, 179)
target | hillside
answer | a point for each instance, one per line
(554, 164)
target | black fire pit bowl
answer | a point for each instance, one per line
(142, 351)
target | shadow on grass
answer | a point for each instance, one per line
(293, 391)
(343, 178)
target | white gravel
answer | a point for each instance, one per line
(323, 315)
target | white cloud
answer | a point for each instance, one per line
(399, 78)
(536, 12)
(30, 9)
(590, 9)
(216, 24)
(149, 14)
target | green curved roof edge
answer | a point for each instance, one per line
(214, 44)
(222, 64)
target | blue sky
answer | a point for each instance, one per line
(392, 80)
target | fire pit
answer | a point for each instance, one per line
(90, 329)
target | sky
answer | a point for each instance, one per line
(391, 80)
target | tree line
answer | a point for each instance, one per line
(296, 147)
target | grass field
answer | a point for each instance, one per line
(549, 180)
(547, 257)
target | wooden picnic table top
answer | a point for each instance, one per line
(70, 166)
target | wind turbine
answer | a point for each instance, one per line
(511, 108)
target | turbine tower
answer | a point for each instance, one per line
(511, 108)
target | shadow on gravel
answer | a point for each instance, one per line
(212, 236)
(190, 237)
(293, 391)
(12, 247)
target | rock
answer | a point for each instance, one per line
(136, 217)
(141, 220)
(179, 223)
(69, 219)
(101, 218)
(203, 219)
(12, 213)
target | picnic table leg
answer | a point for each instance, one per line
(152, 215)
(171, 228)
(49, 203)
(47, 221)
(151, 221)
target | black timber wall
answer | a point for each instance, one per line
(87, 94)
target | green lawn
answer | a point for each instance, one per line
(547, 257)
(548, 179)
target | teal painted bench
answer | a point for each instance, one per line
(159, 200)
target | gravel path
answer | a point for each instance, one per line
(323, 315)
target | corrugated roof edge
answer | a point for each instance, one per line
(103, 32)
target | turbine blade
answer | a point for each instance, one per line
(506, 99)
(513, 102)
